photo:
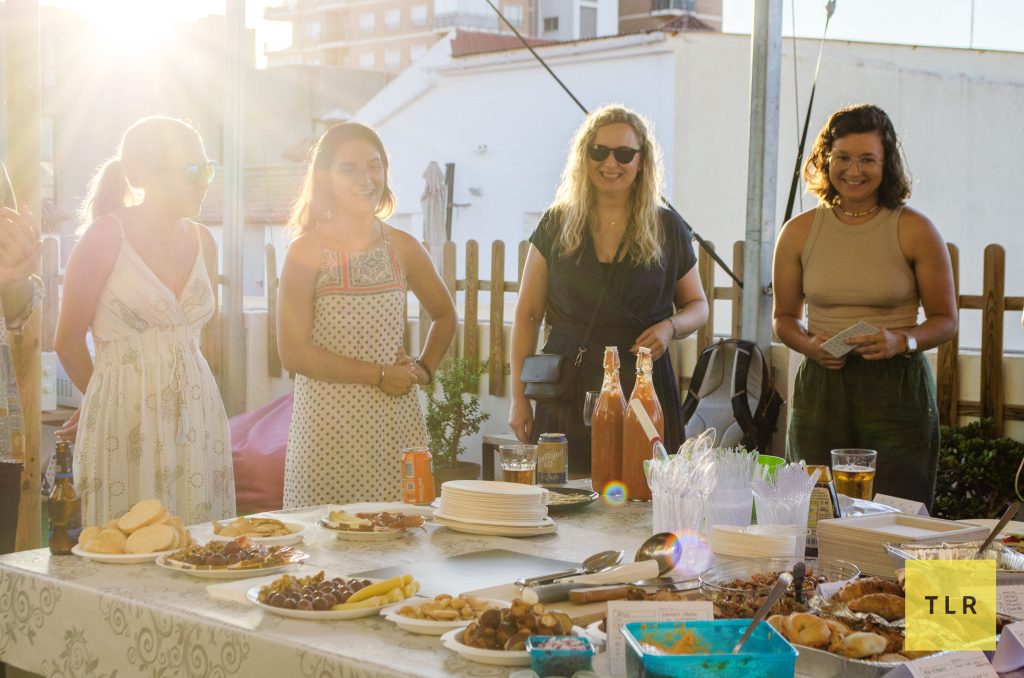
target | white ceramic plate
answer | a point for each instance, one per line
(427, 627)
(325, 615)
(297, 529)
(355, 535)
(223, 572)
(497, 523)
(496, 531)
(452, 641)
(119, 558)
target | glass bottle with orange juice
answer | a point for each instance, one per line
(606, 425)
(636, 447)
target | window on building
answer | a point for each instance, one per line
(588, 22)
(366, 60)
(314, 28)
(367, 22)
(514, 13)
(392, 19)
(392, 58)
(416, 51)
(418, 15)
(550, 24)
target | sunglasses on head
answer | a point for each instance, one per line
(623, 154)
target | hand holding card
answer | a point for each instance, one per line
(837, 345)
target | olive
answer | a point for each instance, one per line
(276, 599)
(338, 581)
(216, 560)
(304, 604)
(231, 558)
(232, 547)
(320, 604)
(331, 599)
(343, 596)
(365, 583)
(326, 586)
(291, 603)
(356, 585)
(308, 590)
(195, 560)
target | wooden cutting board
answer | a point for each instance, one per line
(472, 571)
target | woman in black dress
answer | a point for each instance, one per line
(608, 196)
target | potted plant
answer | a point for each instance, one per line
(976, 471)
(453, 415)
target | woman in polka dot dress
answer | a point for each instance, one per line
(341, 326)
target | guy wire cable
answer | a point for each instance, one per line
(830, 8)
(707, 248)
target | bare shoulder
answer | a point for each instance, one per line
(406, 246)
(304, 250)
(795, 231)
(914, 223)
(102, 237)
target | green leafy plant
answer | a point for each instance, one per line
(976, 471)
(453, 414)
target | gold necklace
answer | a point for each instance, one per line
(857, 214)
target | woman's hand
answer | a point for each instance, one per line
(69, 429)
(657, 337)
(879, 346)
(520, 418)
(19, 247)
(398, 379)
(815, 352)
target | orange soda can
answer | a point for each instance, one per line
(417, 476)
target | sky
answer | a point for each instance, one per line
(998, 24)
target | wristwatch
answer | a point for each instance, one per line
(911, 344)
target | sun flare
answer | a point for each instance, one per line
(131, 26)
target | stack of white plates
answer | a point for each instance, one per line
(861, 540)
(757, 541)
(494, 508)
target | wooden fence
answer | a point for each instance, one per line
(992, 302)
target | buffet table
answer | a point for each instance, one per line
(68, 616)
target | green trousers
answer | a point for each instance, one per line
(883, 405)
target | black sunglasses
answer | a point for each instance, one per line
(623, 154)
(199, 174)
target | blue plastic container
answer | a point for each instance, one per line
(552, 662)
(766, 654)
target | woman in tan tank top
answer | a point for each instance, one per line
(862, 255)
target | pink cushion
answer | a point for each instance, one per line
(259, 440)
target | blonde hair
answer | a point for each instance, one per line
(575, 197)
(115, 184)
(315, 201)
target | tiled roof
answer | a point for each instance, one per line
(471, 42)
(684, 22)
(269, 192)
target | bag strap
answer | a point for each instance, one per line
(600, 300)
(699, 372)
(770, 401)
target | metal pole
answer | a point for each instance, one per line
(22, 84)
(449, 185)
(762, 171)
(233, 346)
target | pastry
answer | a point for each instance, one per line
(863, 587)
(859, 644)
(885, 605)
(806, 629)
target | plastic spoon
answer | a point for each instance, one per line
(785, 579)
(1007, 516)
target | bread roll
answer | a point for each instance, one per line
(150, 539)
(87, 534)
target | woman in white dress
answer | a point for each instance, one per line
(152, 424)
(341, 325)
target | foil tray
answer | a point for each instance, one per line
(824, 664)
(1009, 563)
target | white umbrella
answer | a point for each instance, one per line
(433, 203)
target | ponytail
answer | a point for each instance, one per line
(109, 190)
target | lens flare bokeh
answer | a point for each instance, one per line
(615, 493)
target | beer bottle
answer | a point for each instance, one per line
(636, 447)
(824, 505)
(606, 425)
(64, 505)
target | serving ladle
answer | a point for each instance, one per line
(595, 563)
(663, 548)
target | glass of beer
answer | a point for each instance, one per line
(854, 472)
(518, 463)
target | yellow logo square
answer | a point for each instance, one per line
(951, 605)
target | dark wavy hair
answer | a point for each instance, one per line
(895, 187)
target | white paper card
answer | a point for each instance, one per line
(1010, 651)
(622, 612)
(837, 345)
(1010, 600)
(910, 507)
(949, 665)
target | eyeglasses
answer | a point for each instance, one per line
(623, 154)
(199, 174)
(842, 161)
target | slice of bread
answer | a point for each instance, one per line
(144, 513)
(109, 540)
(150, 539)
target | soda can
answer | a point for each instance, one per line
(552, 459)
(417, 476)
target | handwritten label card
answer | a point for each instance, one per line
(1010, 600)
(911, 508)
(621, 613)
(1010, 652)
(949, 665)
(837, 345)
